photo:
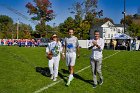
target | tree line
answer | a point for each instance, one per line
(85, 14)
(8, 29)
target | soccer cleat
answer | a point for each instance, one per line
(68, 83)
(69, 80)
(94, 85)
(55, 79)
(101, 82)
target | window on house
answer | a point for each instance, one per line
(111, 35)
(104, 35)
(122, 30)
(108, 24)
(119, 31)
(114, 29)
(108, 35)
(103, 30)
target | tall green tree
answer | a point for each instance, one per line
(134, 30)
(42, 12)
(85, 12)
(25, 31)
(68, 23)
(128, 20)
(84, 29)
(133, 22)
(6, 26)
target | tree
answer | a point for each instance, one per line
(91, 11)
(5, 19)
(9, 30)
(136, 16)
(6, 27)
(84, 26)
(42, 12)
(85, 12)
(133, 22)
(68, 23)
(134, 30)
(102, 20)
(25, 31)
(128, 20)
(41, 29)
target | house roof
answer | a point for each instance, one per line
(118, 25)
(100, 24)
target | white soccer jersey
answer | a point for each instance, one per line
(71, 44)
(54, 47)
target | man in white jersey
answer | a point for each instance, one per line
(97, 46)
(55, 48)
(71, 46)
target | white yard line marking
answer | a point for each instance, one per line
(54, 83)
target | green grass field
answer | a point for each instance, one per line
(18, 75)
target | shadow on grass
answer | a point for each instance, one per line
(62, 77)
(75, 75)
(81, 78)
(46, 72)
(65, 71)
(43, 71)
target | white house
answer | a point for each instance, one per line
(107, 30)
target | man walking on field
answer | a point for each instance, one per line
(97, 46)
(71, 46)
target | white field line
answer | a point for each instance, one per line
(54, 83)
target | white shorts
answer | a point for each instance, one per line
(70, 59)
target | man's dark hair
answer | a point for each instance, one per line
(96, 31)
(70, 29)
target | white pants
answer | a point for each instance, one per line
(54, 65)
(70, 59)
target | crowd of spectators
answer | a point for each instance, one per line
(20, 42)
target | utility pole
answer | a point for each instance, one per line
(124, 15)
(17, 28)
(12, 35)
(12, 32)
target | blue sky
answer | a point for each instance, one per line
(112, 9)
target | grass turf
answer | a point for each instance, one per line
(18, 75)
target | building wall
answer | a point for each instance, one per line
(107, 30)
(108, 33)
(83, 43)
(120, 29)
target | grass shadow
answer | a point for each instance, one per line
(43, 71)
(86, 81)
(62, 77)
(65, 71)
(75, 75)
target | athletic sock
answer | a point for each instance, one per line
(70, 77)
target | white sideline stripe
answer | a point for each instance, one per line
(54, 83)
